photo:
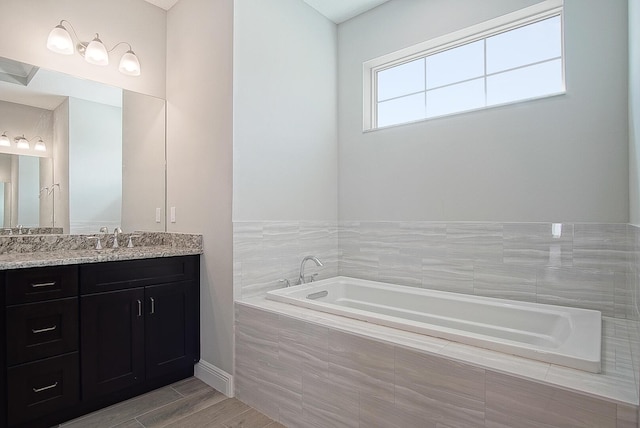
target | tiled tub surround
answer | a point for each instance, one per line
(264, 252)
(22, 251)
(588, 266)
(593, 266)
(312, 369)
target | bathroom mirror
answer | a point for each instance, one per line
(104, 163)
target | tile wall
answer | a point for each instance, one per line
(586, 266)
(264, 252)
(590, 265)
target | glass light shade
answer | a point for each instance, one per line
(96, 53)
(22, 143)
(4, 141)
(59, 41)
(129, 64)
(40, 146)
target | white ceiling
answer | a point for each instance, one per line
(342, 10)
(164, 4)
(336, 10)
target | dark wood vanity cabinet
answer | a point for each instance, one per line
(77, 338)
(139, 322)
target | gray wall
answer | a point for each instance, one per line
(199, 156)
(634, 111)
(29, 182)
(557, 159)
(60, 153)
(95, 166)
(285, 131)
(143, 162)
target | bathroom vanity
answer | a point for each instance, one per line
(79, 337)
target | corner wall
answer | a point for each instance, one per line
(285, 113)
(199, 156)
(634, 112)
(557, 159)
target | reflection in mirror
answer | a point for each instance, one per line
(104, 163)
(23, 197)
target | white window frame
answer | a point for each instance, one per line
(522, 17)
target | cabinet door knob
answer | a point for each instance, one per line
(44, 330)
(139, 308)
(44, 388)
(153, 305)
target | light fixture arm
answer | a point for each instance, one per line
(72, 29)
(118, 44)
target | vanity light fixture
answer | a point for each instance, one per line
(94, 52)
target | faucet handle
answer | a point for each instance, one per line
(130, 244)
(104, 229)
(285, 281)
(98, 243)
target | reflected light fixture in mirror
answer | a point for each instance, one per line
(23, 143)
(40, 145)
(4, 140)
(94, 52)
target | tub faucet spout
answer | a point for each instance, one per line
(301, 278)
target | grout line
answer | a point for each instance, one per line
(179, 393)
(224, 422)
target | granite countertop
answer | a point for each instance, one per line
(26, 251)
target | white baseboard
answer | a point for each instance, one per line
(215, 377)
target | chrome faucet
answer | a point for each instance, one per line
(116, 232)
(301, 278)
(19, 229)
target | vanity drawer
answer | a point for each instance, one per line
(40, 330)
(111, 276)
(42, 387)
(38, 284)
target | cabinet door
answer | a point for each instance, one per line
(171, 323)
(112, 341)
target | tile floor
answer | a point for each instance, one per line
(189, 403)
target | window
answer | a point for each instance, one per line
(496, 64)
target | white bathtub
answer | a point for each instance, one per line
(554, 334)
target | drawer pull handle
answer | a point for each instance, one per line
(139, 308)
(44, 330)
(43, 284)
(44, 388)
(153, 305)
